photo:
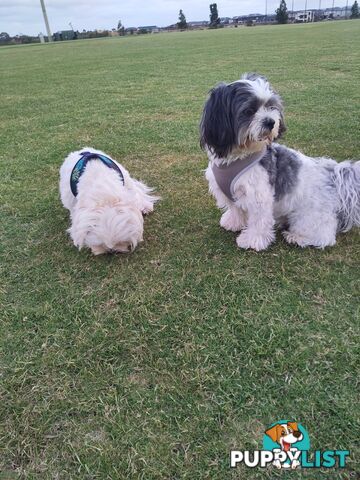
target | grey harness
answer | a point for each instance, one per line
(226, 175)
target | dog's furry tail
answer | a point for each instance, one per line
(347, 182)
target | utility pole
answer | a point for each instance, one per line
(305, 10)
(46, 21)
(265, 11)
(319, 16)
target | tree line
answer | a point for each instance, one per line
(282, 16)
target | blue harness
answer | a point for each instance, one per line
(80, 165)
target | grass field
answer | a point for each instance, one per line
(155, 365)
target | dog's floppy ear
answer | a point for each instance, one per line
(282, 126)
(217, 130)
(77, 235)
(294, 426)
(81, 221)
(278, 103)
(273, 432)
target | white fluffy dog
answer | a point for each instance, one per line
(106, 205)
(260, 184)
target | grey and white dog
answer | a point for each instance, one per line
(260, 184)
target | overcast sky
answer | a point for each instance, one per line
(25, 16)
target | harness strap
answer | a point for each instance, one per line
(80, 165)
(226, 175)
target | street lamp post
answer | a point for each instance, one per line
(46, 20)
(265, 11)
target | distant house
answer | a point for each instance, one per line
(199, 24)
(130, 30)
(337, 13)
(173, 26)
(254, 18)
(264, 19)
(65, 35)
(302, 16)
(238, 20)
(226, 21)
(149, 29)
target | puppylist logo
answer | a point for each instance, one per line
(286, 444)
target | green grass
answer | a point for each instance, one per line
(155, 365)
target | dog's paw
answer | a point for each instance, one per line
(98, 250)
(277, 464)
(231, 221)
(294, 238)
(147, 208)
(256, 242)
(302, 241)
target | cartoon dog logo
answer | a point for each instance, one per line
(285, 434)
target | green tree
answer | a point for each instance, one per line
(355, 10)
(182, 21)
(214, 16)
(282, 13)
(4, 37)
(120, 28)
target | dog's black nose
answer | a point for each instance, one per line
(269, 123)
(297, 434)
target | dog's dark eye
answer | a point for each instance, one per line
(249, 111)
(283, 432)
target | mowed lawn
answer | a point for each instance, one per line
(156, 364)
